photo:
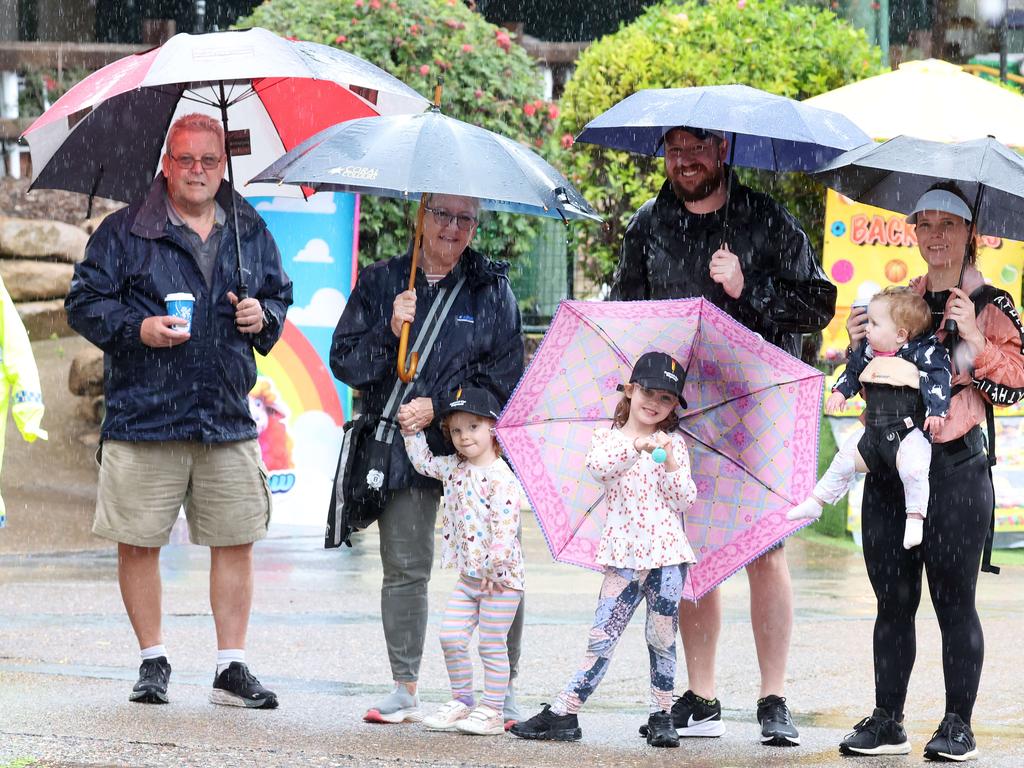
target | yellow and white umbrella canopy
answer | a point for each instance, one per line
(930, 99)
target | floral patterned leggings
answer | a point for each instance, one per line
(621, 593)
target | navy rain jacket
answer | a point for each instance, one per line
(480, 344)
(193, 391)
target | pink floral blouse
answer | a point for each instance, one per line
(645, 503)
(479, 515)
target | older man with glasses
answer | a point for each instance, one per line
(177, 430)
(479, 344)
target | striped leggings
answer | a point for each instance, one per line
(466, 608)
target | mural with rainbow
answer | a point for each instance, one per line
(298, 406)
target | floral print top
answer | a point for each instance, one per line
(645, 503)
(479, 515)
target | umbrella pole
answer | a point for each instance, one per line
(950, 326)
(243, 288)
(728, 191)
(407, 369)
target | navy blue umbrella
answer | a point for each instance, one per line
(764, 130)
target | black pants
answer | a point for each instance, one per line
(959, 510)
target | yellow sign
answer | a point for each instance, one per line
(868, 249)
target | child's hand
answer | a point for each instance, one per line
(836, 403)
(490, 586)
(933, 424)
(646, 443)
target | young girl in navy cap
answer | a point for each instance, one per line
(643, 464)
(479, 536)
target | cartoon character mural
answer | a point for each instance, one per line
(271, 416)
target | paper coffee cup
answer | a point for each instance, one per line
(180, 305)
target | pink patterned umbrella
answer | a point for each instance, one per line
(752, 427)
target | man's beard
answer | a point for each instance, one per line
(707, 182)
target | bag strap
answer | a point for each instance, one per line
(440, 307)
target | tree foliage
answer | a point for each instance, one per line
(792, 50)
(489, 81)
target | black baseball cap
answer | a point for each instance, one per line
(474, 400)
(657, 370)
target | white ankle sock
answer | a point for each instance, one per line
(913, 534)
(153, 652)
(227, 655)
(808, 508)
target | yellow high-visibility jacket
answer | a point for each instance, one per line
(19, 380)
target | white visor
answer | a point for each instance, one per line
(940, 200)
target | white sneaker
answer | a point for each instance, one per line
(447, 716)
(482, 721)
(399, 706)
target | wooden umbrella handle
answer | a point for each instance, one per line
(407, 369)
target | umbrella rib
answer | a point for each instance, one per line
(604, 335)
(582, 520)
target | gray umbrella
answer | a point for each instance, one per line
(895, 174)
(407, 156)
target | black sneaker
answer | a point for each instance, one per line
(777, 729)
(694, 716)
(953, 741)
(876, 735)
(660, 730)
(236, 686)
(547, 726)
(154, 675)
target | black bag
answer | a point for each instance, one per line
(361, 479)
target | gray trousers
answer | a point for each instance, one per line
(407, 554)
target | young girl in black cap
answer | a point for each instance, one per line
(479, 536)
(643, 464)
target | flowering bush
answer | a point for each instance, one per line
(488, 81)
(785, 48)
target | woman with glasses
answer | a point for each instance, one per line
(478, 344)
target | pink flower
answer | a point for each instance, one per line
(538, 142)
(741, 4)
(340, 39)
(359, 3)
(567, 140)
(415, 29)
(553, 111)
(479, 94)
(530, 110)
(467, 48)
(50, 83)
(375, 5)
(503, 41)
(424, 69)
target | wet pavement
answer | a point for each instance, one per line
(68, 657)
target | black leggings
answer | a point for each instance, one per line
(959, 510)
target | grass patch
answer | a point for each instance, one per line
(833, 518)
(19, 762)
(1010, 557)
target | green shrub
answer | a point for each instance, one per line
(792, 50)
(489, 81)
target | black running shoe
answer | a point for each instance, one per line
(953, 741)
(547, 726)
(236, 686)
(694, 716)
(777, 729)
(660, 730)
(876, 735)
(154, 675)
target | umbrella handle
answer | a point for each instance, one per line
(407, 369)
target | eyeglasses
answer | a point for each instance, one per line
(443, 218)
(188, 162)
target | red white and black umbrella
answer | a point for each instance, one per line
(105, 136)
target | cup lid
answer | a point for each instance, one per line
(180, 297)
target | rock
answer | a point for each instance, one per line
(42, 238)
(29, 280)
(86, 374)
(43, 319)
